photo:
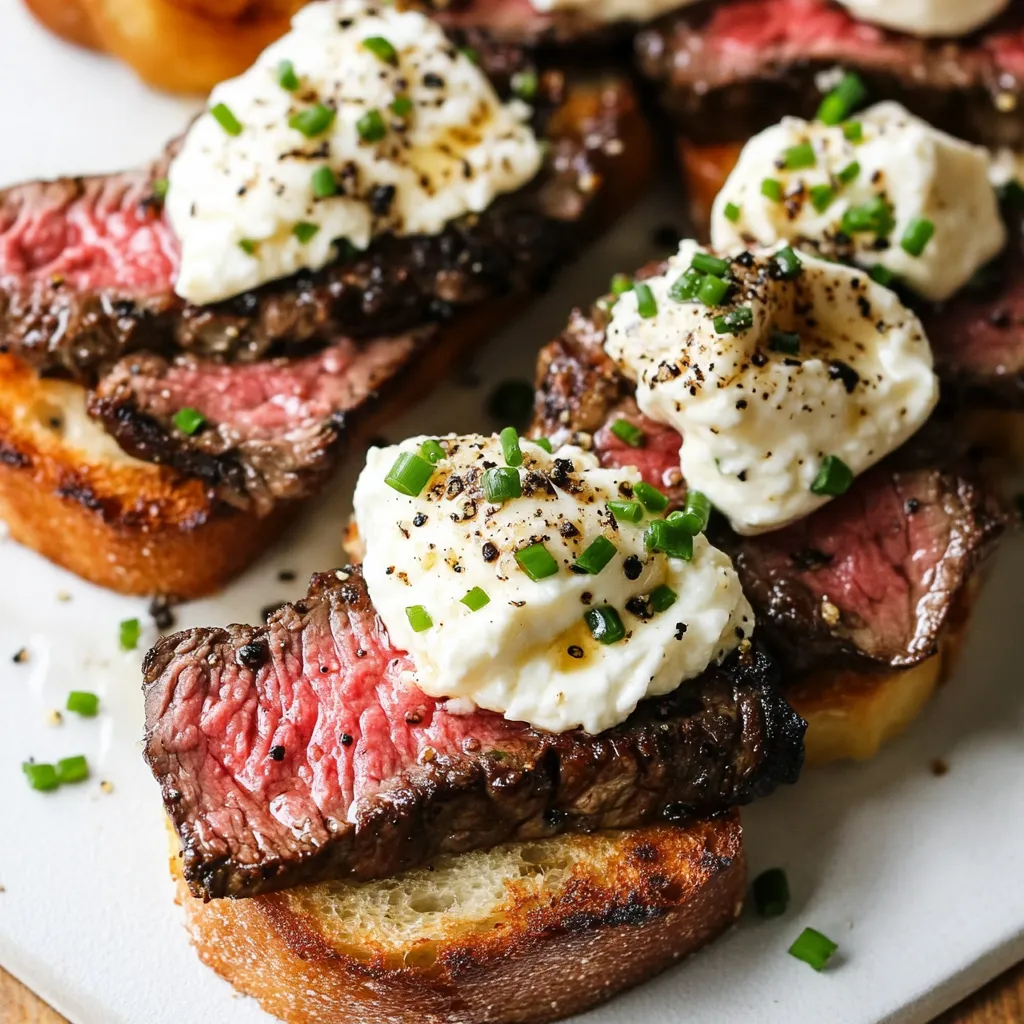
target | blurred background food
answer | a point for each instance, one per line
(178, 45)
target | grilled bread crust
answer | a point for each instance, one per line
(521, 934)
(138, 528)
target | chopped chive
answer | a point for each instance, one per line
(696, 512)
(323, 183)
(511, 402)
(628, 433)
(662, 598)
(475, 599)
(771, 188)
(304, 231)
(604, 624)
(713, 290)
(401, 106)
(419, 618)
(509, 438)
(917, 235)
(630, 511)
(188, 420)
(785, 342)
(833, 479)
(786, 264)
(248, 246)
(686, 286)
(736, 321)
(502, 483)
(669, 537)
(650, 497)
(813, 948)
(42, 777)
(160, 186)
(708, 264)
(796, 158)
(223, 116)
(543, 442)
(470, 54)
(409, 474)
(129, 632)
(771, 893)
(821, 197)
(371, 126)
(286, 77)
(875, 216)
(732, 212)
(849, 173)
(853, 131)
(645, 304)
(620, 284)
(881, 275)
(596, 556)
(83, 703)
(843, 100)
(381, 49)
(525, 84)
(312, 122)
(72, 769)
(537, 562)
(432, 451)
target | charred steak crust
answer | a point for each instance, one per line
(728, 68)
(869, 581)
(295, 752)
(75, 296)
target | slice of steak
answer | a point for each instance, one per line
(87, 264)
(727, 69)
(298, 751)
(270, 429)
(869, 581)
(519, 23)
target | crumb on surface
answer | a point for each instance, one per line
(54, 717)
(106, 787)
(20, 656)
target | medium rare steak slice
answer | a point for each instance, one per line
(870, 580)
(727, 69)
(269, 430)
(298, 751)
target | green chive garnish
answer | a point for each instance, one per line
(83, 703)
(604, 624)
(916, 236)
(843, 100)
(596, 556)
(696, 513)
(732, 212)
(853, 131)
(630, 511)
(875, 216)
(248, 246)
(736, 321)
(502, 483)
(669, 537)
(312, 122)
(475, 599)
(833, 479)
(509, 438)
(708, 264)
(160, 186)
(786, 264)
(686, 286)
(41, 776)
(401, 106)
(881, 275)
(371, 126)
(813, 948)
(771, 188)
(796, 158)
(419, 618)
(628, 433)
(537, 562)
(525, 84)
(662, 598)
(409, 474)
(129, 632)
(470, 54)
(849, 173)
(223, 116)
(821, 197)
(381, 49)
(713, 290)
(188, 420)
(771, 893)
(432, 451)
(304, 231)
(286, 77)
(650, 497)
(620, 284)
(323, 183)
(543, 442)
(784, 341)
(645, 304)
(72, 769)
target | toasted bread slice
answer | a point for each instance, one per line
(70, 493)
(521, 934)
(69, 19)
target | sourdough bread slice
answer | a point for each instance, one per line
(519, 934)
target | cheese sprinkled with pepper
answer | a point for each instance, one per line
(363, 119)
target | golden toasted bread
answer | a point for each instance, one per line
(68, 19)
(521, 934)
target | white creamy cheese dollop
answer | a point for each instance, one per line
(927, 17)
(607, 11)
(901, 167)
(244, 206)
(760, 412)
(528, 653)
